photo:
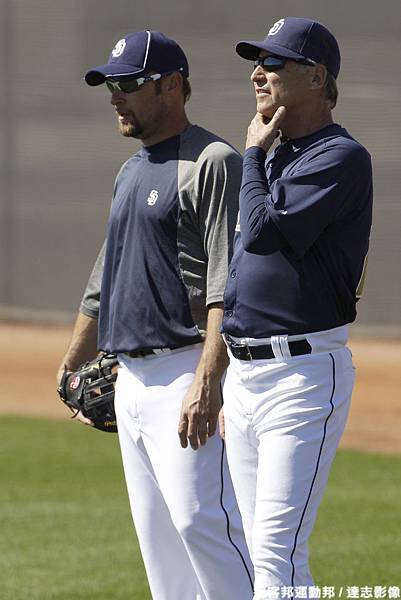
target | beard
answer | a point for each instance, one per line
(131, 130)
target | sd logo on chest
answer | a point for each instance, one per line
(152, 198)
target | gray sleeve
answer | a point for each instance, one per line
(219, 183)
(91, 299)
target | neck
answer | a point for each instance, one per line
(305, 122)
(174, 125)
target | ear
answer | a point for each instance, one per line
(318, 77)
(174, 81)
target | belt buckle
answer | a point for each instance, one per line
(244, 352)
(248, 355)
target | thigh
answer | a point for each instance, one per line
(186, 478)
(242, 448)
(161, 546)
(189, 479)
(195, 484)
(299, 422)
(162, 385)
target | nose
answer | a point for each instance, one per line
(117, 97)
(258, 74)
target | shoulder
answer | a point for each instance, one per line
(332, 149)
(126, 170)
(131, 162)
(342, 146)
(202, 146)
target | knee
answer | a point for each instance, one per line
(190, 526)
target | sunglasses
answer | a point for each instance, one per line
(275, 63)
(132, 85)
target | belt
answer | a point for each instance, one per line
(146, 352)
(244, 352)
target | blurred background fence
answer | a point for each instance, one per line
(60, 150)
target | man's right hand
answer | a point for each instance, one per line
(263, 134)
(79, 416)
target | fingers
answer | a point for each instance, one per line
(273, 124)
(193, 432)
(222, 424)
(277, 120)
(183, 430)
(196, 429)
(262, 131)
(84, 420)
(212, 425)
(199, 413)
(278, 117)
(202, 432)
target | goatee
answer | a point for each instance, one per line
(131, 131)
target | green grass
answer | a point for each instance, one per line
(357, 537)
(66, 531)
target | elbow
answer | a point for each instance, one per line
(262, 243)
(251, 234)
(251, 242)
(253, 228)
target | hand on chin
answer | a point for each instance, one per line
(266, 111)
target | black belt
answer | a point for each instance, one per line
(148, 351)
(244, 352)
(145, 352)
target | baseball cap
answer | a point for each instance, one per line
(139, 53)
(297, 38)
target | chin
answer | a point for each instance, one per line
(128, 130)
(267, 111)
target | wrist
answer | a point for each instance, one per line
(256, 152)
(254, 144)
(208, 379)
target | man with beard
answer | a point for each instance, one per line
(163, 271)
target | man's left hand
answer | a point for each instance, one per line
(199, 413)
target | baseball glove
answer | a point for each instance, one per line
(90, 390)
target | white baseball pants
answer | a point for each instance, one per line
(284, 418)
(182, 502)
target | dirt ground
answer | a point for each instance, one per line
(30, 354)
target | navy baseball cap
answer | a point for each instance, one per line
(139, 53)
(296, 38)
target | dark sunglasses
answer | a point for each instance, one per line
(275, 63)
(132, 85)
